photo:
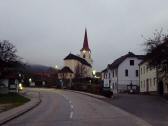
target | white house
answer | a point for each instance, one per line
(123, 73)
(148, 78)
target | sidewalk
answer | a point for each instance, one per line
(18, 111)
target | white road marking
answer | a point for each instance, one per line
(72, 106)
(70, 102)
(71, 115)
(65, 97)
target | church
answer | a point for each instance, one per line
(79, 66)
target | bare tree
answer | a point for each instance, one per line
(80, 71)
(7, 52)
(8, 57)
(157, 53)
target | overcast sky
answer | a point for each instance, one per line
(45, 31)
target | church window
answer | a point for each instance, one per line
(84, 56)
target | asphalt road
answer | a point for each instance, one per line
(65, 108)
(153, 109)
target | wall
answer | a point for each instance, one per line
(123, 80)
(72, 64)
(150, 75)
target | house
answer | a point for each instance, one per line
(147, 78)
(78, 65)
(103, 74)
(150, 80)
(154, 71)
(9, 83)
(10, 76)
(123, 74)
(66, 73)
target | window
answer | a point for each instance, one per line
(154, 81)
(150, 81)
(126, 73)
(109, 75)
(109, 81)
(137, 73)
(141, 71)
(144, 69)
(113, 73)
(84, 56)
(131, 62)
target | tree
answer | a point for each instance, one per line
(157, 54)
(80, 71)
(8, 57)
(7, 52)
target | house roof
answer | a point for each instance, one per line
(104, 70)
(74, 57)
(85, 43)
(118, 61)
(65, 70)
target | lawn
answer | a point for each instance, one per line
(12, 100)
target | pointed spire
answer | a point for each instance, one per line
(85, 43)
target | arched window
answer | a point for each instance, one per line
(84, 56)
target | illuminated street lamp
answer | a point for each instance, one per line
(30, 80)
(56, 67)
(94, 73)
(20, 75)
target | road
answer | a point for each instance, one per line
(66, 108)
(153, 109)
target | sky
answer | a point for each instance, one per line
(45, 31)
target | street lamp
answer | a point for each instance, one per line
(94, 73)
(30, 80)
(56, 67)
(20, 75)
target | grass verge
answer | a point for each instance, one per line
(12, 100)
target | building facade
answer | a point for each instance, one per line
(148, 78)
(123, 74)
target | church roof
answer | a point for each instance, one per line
(74, 57)
(65, 70)
(118, 61)
(85, 43)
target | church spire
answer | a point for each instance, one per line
(85, 43)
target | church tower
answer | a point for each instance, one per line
(85, 51)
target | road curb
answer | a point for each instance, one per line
(19, 113)
(89, 94)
